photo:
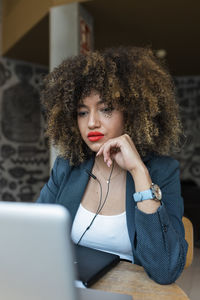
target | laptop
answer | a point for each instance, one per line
(36, 255)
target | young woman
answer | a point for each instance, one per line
(113, 117)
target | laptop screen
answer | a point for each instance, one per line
(34, 241)
(36, 255)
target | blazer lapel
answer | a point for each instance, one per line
(75, 186)
(130, 207)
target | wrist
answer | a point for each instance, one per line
(153, 193)
(139, 168)
(148, 206)
(141, 178)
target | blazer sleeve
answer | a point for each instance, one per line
(51, 189)
(160, 239)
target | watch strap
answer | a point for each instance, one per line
(143, 195)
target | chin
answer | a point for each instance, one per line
(94, 147)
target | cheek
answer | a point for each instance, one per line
(81, 127)
(120, 125)
(116, 128)
(80, 123)
(121, 130)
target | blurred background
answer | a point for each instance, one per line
(35, 36)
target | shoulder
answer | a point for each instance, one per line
(61, 168)
(162, 161)
(162, 166)
(61, 163)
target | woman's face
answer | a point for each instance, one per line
(98, 123)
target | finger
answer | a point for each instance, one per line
(106, 160)
(106, 156)
(100, 151)
(110, 148)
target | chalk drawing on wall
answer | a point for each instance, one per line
(21, 109)
(24, 153)
(188, 95)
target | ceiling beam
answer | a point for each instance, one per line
(20, 16)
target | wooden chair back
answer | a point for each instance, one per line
(189, 236)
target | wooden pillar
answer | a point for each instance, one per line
(71, 33)
(0, 27)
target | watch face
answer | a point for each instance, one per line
(157, 191)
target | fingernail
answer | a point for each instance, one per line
(109, 163)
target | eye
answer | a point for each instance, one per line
(107, 110)
(81, 113)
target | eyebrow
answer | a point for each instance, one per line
(81, 105)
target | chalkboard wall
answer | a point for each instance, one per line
(24, 154)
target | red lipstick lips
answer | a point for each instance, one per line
(94, 136)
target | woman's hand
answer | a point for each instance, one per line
(123, 151)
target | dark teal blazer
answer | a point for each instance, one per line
(157, 239)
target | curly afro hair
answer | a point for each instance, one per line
(132, 80)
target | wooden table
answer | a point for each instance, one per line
(130, 279)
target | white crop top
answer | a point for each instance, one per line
(107, 233)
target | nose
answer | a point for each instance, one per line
(94, 121)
